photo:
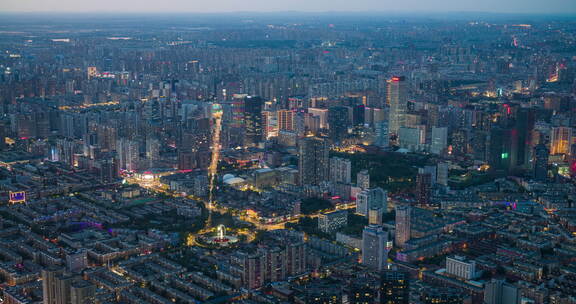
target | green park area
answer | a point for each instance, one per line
(391, 171)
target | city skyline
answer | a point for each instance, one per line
(288, 157)
(319, 6)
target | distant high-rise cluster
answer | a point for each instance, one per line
(279, 158)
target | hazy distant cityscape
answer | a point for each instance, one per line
(399, 158)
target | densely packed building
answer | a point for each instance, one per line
(288, 160)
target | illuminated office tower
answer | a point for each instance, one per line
(340, 170)
(269, 124)
(253, 119)
(560, 140)
(237, 109)
(397, 101)
(402, 225)
(375, 247)
(313, 165)
(286, 120)
(376, 216)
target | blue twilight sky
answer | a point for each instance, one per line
(202, 6)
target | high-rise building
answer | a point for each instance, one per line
(398, 103)
(152, 149)
(500, 156)
(358, 115)
(107, 169)
(394, 287)
(128, 154)
(523, 127)
(313, 164)
(423, 188)
(253, 269)
(286, 120)
(376, 216)
(541, 162)
(442, 174)
(49, 282)
(439, 140)
(59, 287)
(402, 224)
(2, 136)
(269, 124)
(363, 179)
(480, 145)
(459, 142)
(340, 170)
(375, 198)
(382, 134)
(66, 149)
(295, 258)
(237, 109)
(560, 140)
(269, 264)
(432, 170)
(375, 247)
(338, 122)
(500, 292)
(411, 138)
(322, 114)
(253, 119)
(63, 283)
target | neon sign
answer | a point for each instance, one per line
(17, 197)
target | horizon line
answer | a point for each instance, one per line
(323, 12)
